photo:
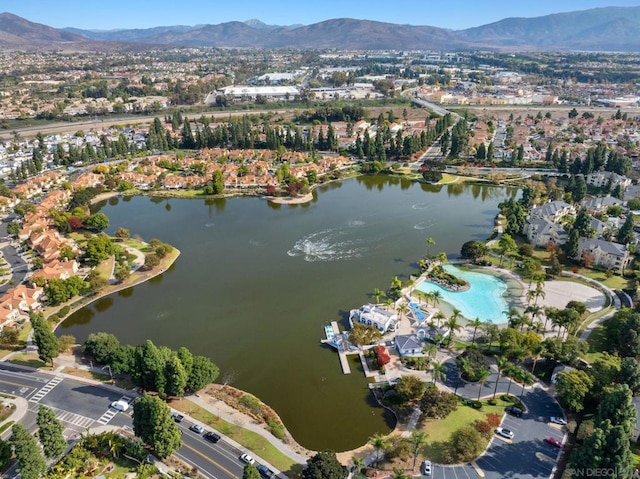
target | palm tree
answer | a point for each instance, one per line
(417, 440)
(535, 310)
(452, 323)
(402, 309)
(379, 443)
(442, 257)
(492, 331)
(513, 316)
(536, 351)
(438, 372)
(531, 294)
(436, 296)
(476, 323)
(539, 291)
(501, 363)
(482, 381)
(430, 350)
(358, 465)
(377, 294)
(439, 316)
(430, 242)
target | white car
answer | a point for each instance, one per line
(120, 405)
(558, 420)
(505, 432)
(247, 459)
(426, 468)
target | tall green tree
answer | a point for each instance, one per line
(176, 377)
(630, 373)
(625, 233)
(617, 407)
(5, 454)
(203, 373)
(573, 387)
(43, 337)
(31, 463)
(153, 424)
(50, 431)
(324, 465)
(250, 472)
(506, 245)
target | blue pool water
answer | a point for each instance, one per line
(484, 299)
(417, 311)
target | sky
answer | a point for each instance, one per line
(454, 14)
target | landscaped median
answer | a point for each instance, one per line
(249, 439)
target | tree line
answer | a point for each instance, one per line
(151, 367)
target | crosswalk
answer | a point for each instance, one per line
(72, 418)
(111, 413)
(37, 397)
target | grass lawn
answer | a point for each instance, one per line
(614, 282)
(249, 439)
(439, 430)
(82, 373)
(27, 359)
(597, 343)
(105, 267)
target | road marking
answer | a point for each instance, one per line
(207, 458)
(37, 397)
(70, 417)
(15, 384)
(111, 413)
(27, 376)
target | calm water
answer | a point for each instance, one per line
(484, 299)
(256, 283)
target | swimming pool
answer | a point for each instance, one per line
(484, 299)
(417, 311)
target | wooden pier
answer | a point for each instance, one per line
(331, 332)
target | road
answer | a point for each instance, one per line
(81, 406)
(63, 127)
(527, 456)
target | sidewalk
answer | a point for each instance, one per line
(226, 412)
(21, 409)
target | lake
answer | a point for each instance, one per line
(256, 283)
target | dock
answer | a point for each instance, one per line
(334, 340)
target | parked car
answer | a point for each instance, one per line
(265, 472)
(211, 436)
(197, 428)
(425, 468)
(120, 405)
(504, 432)
(247, 459)
(177, 417)
(514, 411)
(558, 420)
(553, 441)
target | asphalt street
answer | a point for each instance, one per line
(81, 406)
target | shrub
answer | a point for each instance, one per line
(493, 419)
(275, 427)
(484, 428)
(382, 355)
(492, 402)
(476, 405)
(64, 311)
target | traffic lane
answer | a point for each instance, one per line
(74, 396)
(17, 382)
(218, 460)
(540, 405)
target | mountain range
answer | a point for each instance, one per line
(598, 29)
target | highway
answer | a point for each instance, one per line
(81, 406)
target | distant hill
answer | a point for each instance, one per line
(255, 23)
(15, 31)
(599, 29)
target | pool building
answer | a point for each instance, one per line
(374, 315)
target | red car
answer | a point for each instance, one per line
(553, 441)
